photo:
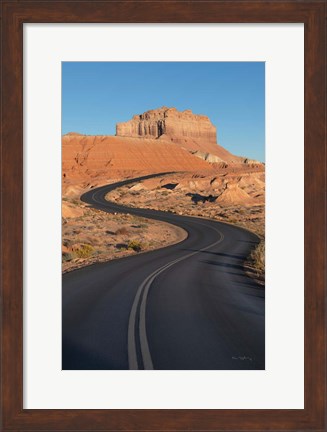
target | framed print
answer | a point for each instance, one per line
(163, 217)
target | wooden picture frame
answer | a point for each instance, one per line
(14, 14)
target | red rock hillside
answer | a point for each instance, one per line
(156, 141)
(88, 156)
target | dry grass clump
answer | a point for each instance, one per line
(67, 256)
(257, 257)
(84, 251)
(78, 251)
(136, 245)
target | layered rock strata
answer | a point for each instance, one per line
(169, 122)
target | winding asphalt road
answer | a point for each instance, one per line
(188, 306)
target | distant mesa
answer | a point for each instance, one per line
(158, 140)
(193, 132)
(168, 123)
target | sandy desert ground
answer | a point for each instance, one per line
(90, 235)
(206, 181)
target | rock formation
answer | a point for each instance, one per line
(207, 156)
(170, 123)
(192, 132)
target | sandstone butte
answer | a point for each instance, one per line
(159, 140)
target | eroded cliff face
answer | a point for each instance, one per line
(169, 123)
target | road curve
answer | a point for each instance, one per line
(189, 306)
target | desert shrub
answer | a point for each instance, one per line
(84, 251)
(141, 225)
(67, 242)
(121, 246)
(136, 245)
(122, 230)
(66, 256)
(257, 257)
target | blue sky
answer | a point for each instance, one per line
(97, 95)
